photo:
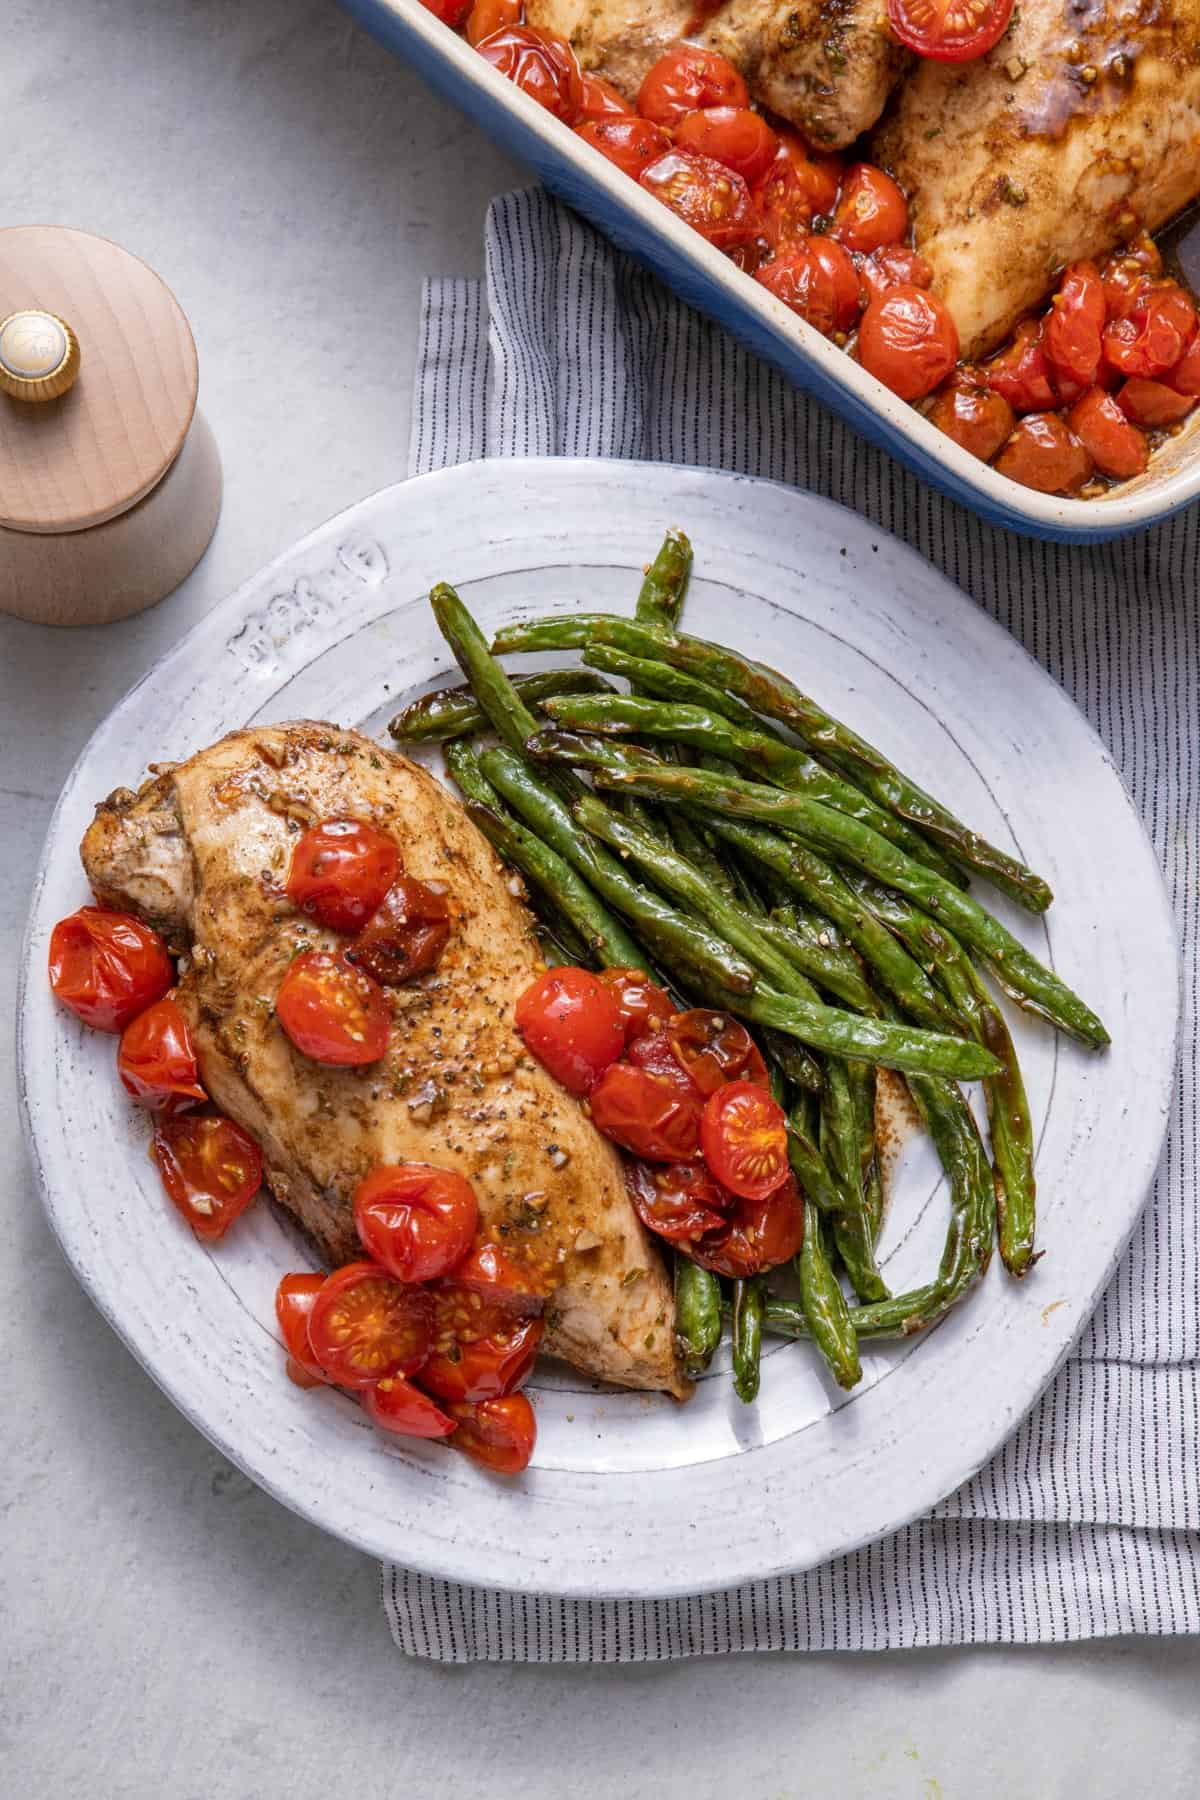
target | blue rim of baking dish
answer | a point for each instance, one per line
(708, 281)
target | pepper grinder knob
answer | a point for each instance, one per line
(39, 356)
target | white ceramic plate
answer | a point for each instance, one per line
(630, 1494)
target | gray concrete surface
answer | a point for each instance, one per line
(167, 1630)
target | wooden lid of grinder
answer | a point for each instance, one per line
(118, 340)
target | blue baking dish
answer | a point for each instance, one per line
(710, 282)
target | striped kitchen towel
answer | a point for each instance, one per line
(1087, 1523)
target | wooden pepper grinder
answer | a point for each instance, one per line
(110, 483)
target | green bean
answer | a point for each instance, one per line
(501, 702)
(830, 1321)
(808, 1164)
(605, 938)
(697, 1315)
(853, 842)
(780, 763)
(675, 940)
(771, 693)
(748, 1304)
(852, 1228)
(828, 967)
(663, 682)
(454, 712)
(793, 1005)
(665, 585)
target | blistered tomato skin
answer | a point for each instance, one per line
(686, 79)
(1154, 336)
(733, 135)
(755, 1235)
(572, 1024)
(631, 145)
(542, 66)
(1152, 404)
(710, 198)
(643, 1005)
(294, 1299)
(871, 211)
(107, 967)
(1021, 372)
(395, 1405)
(340, 871)
(602, 101)
(1043, 453)
(1115, 445)
(333, 1012)
(498, 1434)
(799, 278)
(406, 935)
(487, 16)
(890, 266)
(908, 341)
(971, 413)
(416, 1221)
(1072, 338)
(656, 1117)
(156, 1060)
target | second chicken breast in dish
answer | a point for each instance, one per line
(1079, 129)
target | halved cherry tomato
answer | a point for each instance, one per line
(542, 65)
(643, 1004)
(406, 935)
(801, 279)
(949, 30)
(1071, 337)
(1155, 334)
(364, 1325)
(890, 265)
(396, 1405)
(450, 12)
(1185, 376)
(685, 79)
(654, 1116)
(211, 1170)
(784, 202)
(871, 209)
(654, 1053)
(744, 1138)
(332, 1011)
(632, 144)
(1021, 373)
(572, 1023)
(757, 1235)
(340, 871)
(705, 195)
(1153, 404)
(681, 1203)
(106, 967)
(819, 172)
(908, 341)
(156, 1060)
(1043, 453)
(414, 1220)
(487, 16)
(1115, 446)
(733, 135)
(1126, 274)
(502, 1281)
(303, 1378)
(293, 1305)
(972, 413)
(602, 101)
(500, 1434)
(714, 1049)
(481, 1348)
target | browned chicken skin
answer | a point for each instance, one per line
(201, 853)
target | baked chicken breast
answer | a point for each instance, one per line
(1080, 127)
(200, 853)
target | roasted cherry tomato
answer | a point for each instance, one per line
(705, 195)
(1126, 274)
(106, 967)
(396, 1405)
(714, 1049)
(654, 1116)
(332, 1011)
(849, 295)
(972, 413)
(602, 101)
(407, 934)
(733, 135)
(632, 144)
(1021, 373)
(682, 1202)
(500, 1434)
(890, 265)
(1185, 376)
(949, 30)
(797, 187)
(488, 16)
(481, 1348)
(156, 1061)
(1043, 453)
(908, 341)
(572, 1023)
(643, 1004)
(1115, 446)
(756, 1235)
(744, 1138)
(293, 1304)
(871, 210)
(211, 1169)
(1156, 333)
(503, 1282)
(365, 1325)
(1071, 336)
(340, 871)
(800, 278)
(543, 66)
(1153, 404)
(450, 12)
(685, 79)
(415, 1221)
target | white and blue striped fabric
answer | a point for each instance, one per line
(1087, 1523)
